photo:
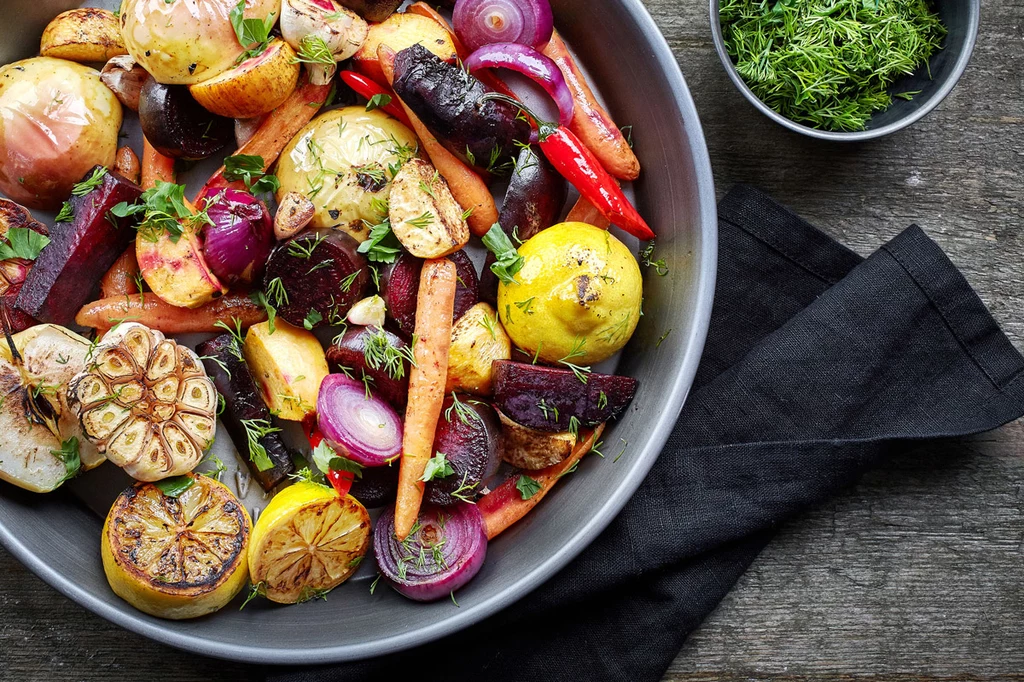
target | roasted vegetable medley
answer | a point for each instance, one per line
(343, 298)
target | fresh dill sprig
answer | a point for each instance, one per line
(828, 64)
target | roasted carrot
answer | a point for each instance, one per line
(153, 312)
(505, 505)
(485, 76)
(585, 212)
(120, 279)
(434, 305)
(467, 187)
(277, 129)
(590, 122)
(155, 166)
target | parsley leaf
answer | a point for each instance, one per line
(326, 459)
(437, 468)
(249, 168)
(175, 486)
(508, 261)
(313, 318)
(527, 487)
(377, 101)
(21, 242)
(253, 34)
(382, 246)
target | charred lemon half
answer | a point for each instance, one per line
(177, 557)
(306, 542)
(146, 402)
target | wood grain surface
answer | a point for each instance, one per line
(915, 574)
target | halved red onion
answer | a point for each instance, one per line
(532, 64)
(446, 551)
(481, 22)
(238, 243)
(362, 428)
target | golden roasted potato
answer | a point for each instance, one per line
(528, 448)
(425, 216)
(85, 35)
(399, 31)
(477, 340)
(288, 365)
(254, 87)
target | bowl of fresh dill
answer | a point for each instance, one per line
(845, 70)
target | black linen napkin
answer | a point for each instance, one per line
(818, 364)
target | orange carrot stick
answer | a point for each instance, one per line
(277, 129)
(504, 505)
(119, 280)
(155, 166)
(467, 187)
(590, 121)
(153, 312)
(485, 76)
(434, 306)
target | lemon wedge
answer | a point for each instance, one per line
(306, 542)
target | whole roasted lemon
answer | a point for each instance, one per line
(577, 297)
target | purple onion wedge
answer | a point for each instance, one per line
(446, 549)
(359, 426)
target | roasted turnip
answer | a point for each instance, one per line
(58, 121)
(400, 284)
(314, 279)
(178, 126)
(550, 399)
(469, 436)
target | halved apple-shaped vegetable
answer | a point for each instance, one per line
(288, 365)
(254, 87)
(186, 41)
(398, 32)
(311, 24)
(176, 270)
(41, 440)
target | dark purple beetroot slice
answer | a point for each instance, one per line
(377, 487)
(318, 272)
(469, 434)
(242, 402)
(400, 285)
(349, 352)
(67, 271)
(545, 398)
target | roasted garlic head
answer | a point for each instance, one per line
(146, 402)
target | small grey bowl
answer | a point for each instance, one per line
(961, 18)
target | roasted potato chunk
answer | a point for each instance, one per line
(288, 365)
(477, 340)
(528, 448)
(84, 35)
(424, 215)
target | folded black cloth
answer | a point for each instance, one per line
(818, 364)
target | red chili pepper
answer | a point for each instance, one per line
(579, 166)
(341, 481)
(367, 87)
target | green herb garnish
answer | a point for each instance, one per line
(828, 63)
(249, 168)
(21, 242)
(507, 260)
(175, 486)
(253, 34)
(527, 487)
(437, 468)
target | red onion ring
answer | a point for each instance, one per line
(446, 550)
(481, 22)
(533, 65)
(364, 429)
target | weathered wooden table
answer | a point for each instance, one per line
(915, 574)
